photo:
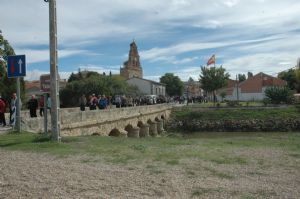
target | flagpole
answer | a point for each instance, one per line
(215, 61)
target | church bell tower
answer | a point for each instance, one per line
(132, 67)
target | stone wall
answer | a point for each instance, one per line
(74, 122)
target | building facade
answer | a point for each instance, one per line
(251, 89)
(148, 87)
(193, 88)
(132, 67)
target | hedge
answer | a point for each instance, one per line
(252, 125)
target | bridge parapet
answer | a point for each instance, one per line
(74, 122)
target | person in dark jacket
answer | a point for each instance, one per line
(33, 105)
(82, 102)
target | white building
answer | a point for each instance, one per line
(147, 87)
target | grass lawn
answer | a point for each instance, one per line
(215, 147)
(210, 165)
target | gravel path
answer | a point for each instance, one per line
(31, 175)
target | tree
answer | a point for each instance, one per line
(213, 78)
(242, 77)
(191, 80)
(93, 82)
(174, 86)
(249, 74)
(7, 85)
(73, 77)
(290, 77)
(297, 77)
(223, 95)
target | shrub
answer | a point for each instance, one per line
(232, 103)
(297, 105)
(279, 95)
(229, 125)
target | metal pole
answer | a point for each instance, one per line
(237, 89)
(18, 112)
(54, 89)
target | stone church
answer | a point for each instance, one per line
(132, 67)
(133, 73)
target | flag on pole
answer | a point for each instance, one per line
(211, 60)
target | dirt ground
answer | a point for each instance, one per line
(35, 175)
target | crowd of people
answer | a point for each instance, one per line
(33, 104)
(94, 102)
(11, 105)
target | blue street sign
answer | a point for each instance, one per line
(16, 66)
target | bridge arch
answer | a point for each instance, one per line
(114, 133)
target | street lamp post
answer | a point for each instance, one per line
(54, 87)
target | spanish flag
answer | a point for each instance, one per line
(211, 60)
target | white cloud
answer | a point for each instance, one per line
(231, 3)
(100, 69)
(34, 74)
(185, 60)
(249, 29)
(168, 53)
(34, 56)
(270, 63)
(80, 21)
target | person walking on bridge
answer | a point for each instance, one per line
(32, 106)
(82, 102)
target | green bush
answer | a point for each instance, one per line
(238, 119)
(297, 105)
(279, 95)
(230, 125)
(232, 103)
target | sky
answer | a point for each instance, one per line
(173, 36)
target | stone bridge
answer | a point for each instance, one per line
(139, 121)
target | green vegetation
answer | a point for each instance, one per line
(292, 76)
(92, 82)
(236, 114)
(192, 119)
(279, 95)
(213, 147)
(174, 86)
(8, 85)
(226, 104)
(213, 78)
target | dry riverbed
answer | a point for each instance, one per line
(267, 173)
